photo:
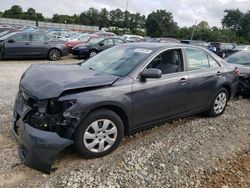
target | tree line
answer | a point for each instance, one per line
(159, 23)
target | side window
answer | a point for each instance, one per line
(212, 62)
(21, 38)
(118, 41)
(169, 61)
(108, 42)
(197, 59)
(38, 37)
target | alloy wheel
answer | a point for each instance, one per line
(220, 102)
(100, 135)
(54, 54)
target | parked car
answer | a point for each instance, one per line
(241, 59)
(133, 38)
(223, 49)
(196, 43)
(164, 40)
(80, 40)
(242, 47)
(95, 46)
(105, 34)
(30, 45)
(92, 105)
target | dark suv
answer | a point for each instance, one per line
(222, 49)
(93, 104)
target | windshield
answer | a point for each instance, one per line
(119, 60)
(4, 37)
(242, 58)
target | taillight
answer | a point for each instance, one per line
(237, 71)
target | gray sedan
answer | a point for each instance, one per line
(31, 45)
(93, 104)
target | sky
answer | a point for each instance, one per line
(185, 12)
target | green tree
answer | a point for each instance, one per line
(103, 18)
(14, 12)
(245, 32)
(233, 20)
(116, 18)
(161, 24)
(92, 17)
(1, 14)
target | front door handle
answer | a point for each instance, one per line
(27, 43)
(218, 73)
(182, 81)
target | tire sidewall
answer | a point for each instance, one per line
(50, 54)
(211, 110)
(100, 114)
(1, 55)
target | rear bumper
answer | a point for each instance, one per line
(37, 148)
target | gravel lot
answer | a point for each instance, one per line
(191, 152)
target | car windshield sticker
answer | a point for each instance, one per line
(141, 50)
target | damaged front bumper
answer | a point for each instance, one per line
(37, 148)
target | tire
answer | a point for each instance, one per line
(219, 103)
(1, 56)
(99, 134)
(92, 53)
(54, 54)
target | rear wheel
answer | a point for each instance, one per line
(54, 54)
(99, 134)
(1, 55)
(219, 103)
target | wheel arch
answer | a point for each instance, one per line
(228, 88)
(119, 111)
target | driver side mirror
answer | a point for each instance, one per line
(101, 44)
(11, 41)
(151, 73)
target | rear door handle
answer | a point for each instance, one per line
(27, 43)
(218, 73)
(182, 81)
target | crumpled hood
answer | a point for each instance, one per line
(49, 81)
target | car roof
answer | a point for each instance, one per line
(153, 45)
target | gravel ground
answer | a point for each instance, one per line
(191, 152)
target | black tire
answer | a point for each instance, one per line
(212, 109)
(1, 55)
(80, 141)
(92, 53)
(54, 54)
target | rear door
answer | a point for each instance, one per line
(204, 74)
(161, 98)
(40, 44)
(19, 46)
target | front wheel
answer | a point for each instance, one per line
(54, 54)
(219, 103)
(92, 53)
(99, 134)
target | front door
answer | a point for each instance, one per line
(161, 98)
